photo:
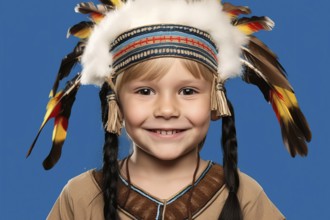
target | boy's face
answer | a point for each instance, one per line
(167, 118)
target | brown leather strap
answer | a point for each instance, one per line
(143, 207)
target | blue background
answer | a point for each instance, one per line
(32, 44)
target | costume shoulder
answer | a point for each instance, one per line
(254, 202)
(85, 181)
(249, 186)
(80, 199)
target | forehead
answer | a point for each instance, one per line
(156, 68)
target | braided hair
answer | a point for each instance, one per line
(110, 163)
(231, 209)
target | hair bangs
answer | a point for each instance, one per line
(154, 69)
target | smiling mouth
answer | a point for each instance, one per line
(166, 132)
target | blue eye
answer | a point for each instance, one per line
(188, 91)
(144, 91)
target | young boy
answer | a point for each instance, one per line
(162, 66)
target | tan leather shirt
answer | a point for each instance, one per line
(81, 199)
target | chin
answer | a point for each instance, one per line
(169, 156)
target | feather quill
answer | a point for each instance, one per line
(262, 68)
(68, 62)
(270, 77)
(294, 127)
(59, 107)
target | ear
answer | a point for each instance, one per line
(120, 107)
(214, 116)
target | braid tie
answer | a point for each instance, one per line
(115, 120)
(219, 104)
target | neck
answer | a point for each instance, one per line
(144, 165)
(163, 178)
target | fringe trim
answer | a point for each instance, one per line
(114, 123)
(219, 106)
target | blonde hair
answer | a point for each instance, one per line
(155, 68)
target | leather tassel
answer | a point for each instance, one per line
(114, 123)
(219, 106)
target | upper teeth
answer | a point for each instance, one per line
(163, 132)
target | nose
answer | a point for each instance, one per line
(166, 107)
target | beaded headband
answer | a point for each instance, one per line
(122, 33)
(157, 41)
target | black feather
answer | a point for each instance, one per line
(68, 62)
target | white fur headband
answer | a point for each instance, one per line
(206, 15)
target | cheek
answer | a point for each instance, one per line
(133, 112)
(202, 120)
(200, 112)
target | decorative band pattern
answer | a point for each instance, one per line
(156, 41)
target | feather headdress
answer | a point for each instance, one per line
(220, 38)
(133, 14)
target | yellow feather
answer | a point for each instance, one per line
(282, 109)
(59, 132)
(283, 100)
(50, 107)
(84, 33)
(245, 29)
(288, 96)
(117, 3)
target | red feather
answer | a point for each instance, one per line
(234, 11)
